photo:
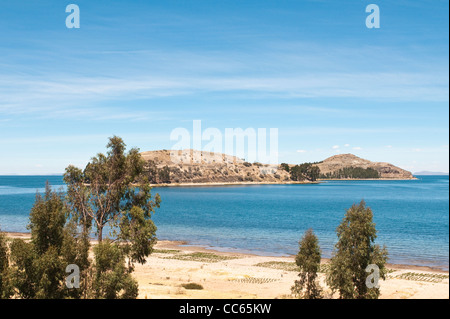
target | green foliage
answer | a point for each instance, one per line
(354, 251)
(50, 274)
(201, 257)
(305, 171)
(109, 185)
(37, 268)
(23, 268)
(308, 260)
(5, 280)
(113, 190)
(75, 250)
(166, 251)
(281, 265)
(164, 174)
(352, 172)
(112, 279)
(37, 275)
(47, 220)
(157, 175)
(151, 171)
(138, 234)
(285, 167)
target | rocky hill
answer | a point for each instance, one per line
(341, 161)
(191, 166)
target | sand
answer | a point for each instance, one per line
(165, 272)
(236, 275)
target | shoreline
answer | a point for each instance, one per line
(186, 246)
(318, 181)
(305, 182)
(368, 179)
(212, 184)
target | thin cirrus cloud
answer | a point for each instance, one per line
(69, 94)
(149, 74)
(327, 85)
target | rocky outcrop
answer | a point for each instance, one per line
(191, 166)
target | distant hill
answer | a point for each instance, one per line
(191, 166)
(430, 173)
(341, 161)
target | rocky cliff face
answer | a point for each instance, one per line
(191, 166)
(385, 170)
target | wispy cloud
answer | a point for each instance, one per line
(284, 73)
(25, 94)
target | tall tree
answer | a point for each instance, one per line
(113, 190)
(47, 220)
(314, 173)
(285, 167)
(354, 251)
(305, 171)
(38, 266)
(109, 187)
(308, 260)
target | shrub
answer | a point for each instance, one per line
(192, 286)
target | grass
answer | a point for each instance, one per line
(201, 257)
(166, 251)
(292, 266)
(281, 265)
(288, 266)
(414, 276)
(252, 280)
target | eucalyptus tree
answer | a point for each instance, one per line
(113, 191)
(308, 260)
(37, 267)
(355, 254)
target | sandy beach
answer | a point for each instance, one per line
(224, 275)
(231, 275)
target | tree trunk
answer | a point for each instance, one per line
(100, 234)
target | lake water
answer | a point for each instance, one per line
(412, 217)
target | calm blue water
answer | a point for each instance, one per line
(412, 217)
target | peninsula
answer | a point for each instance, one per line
(193, 167)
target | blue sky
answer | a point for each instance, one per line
(140, 69)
